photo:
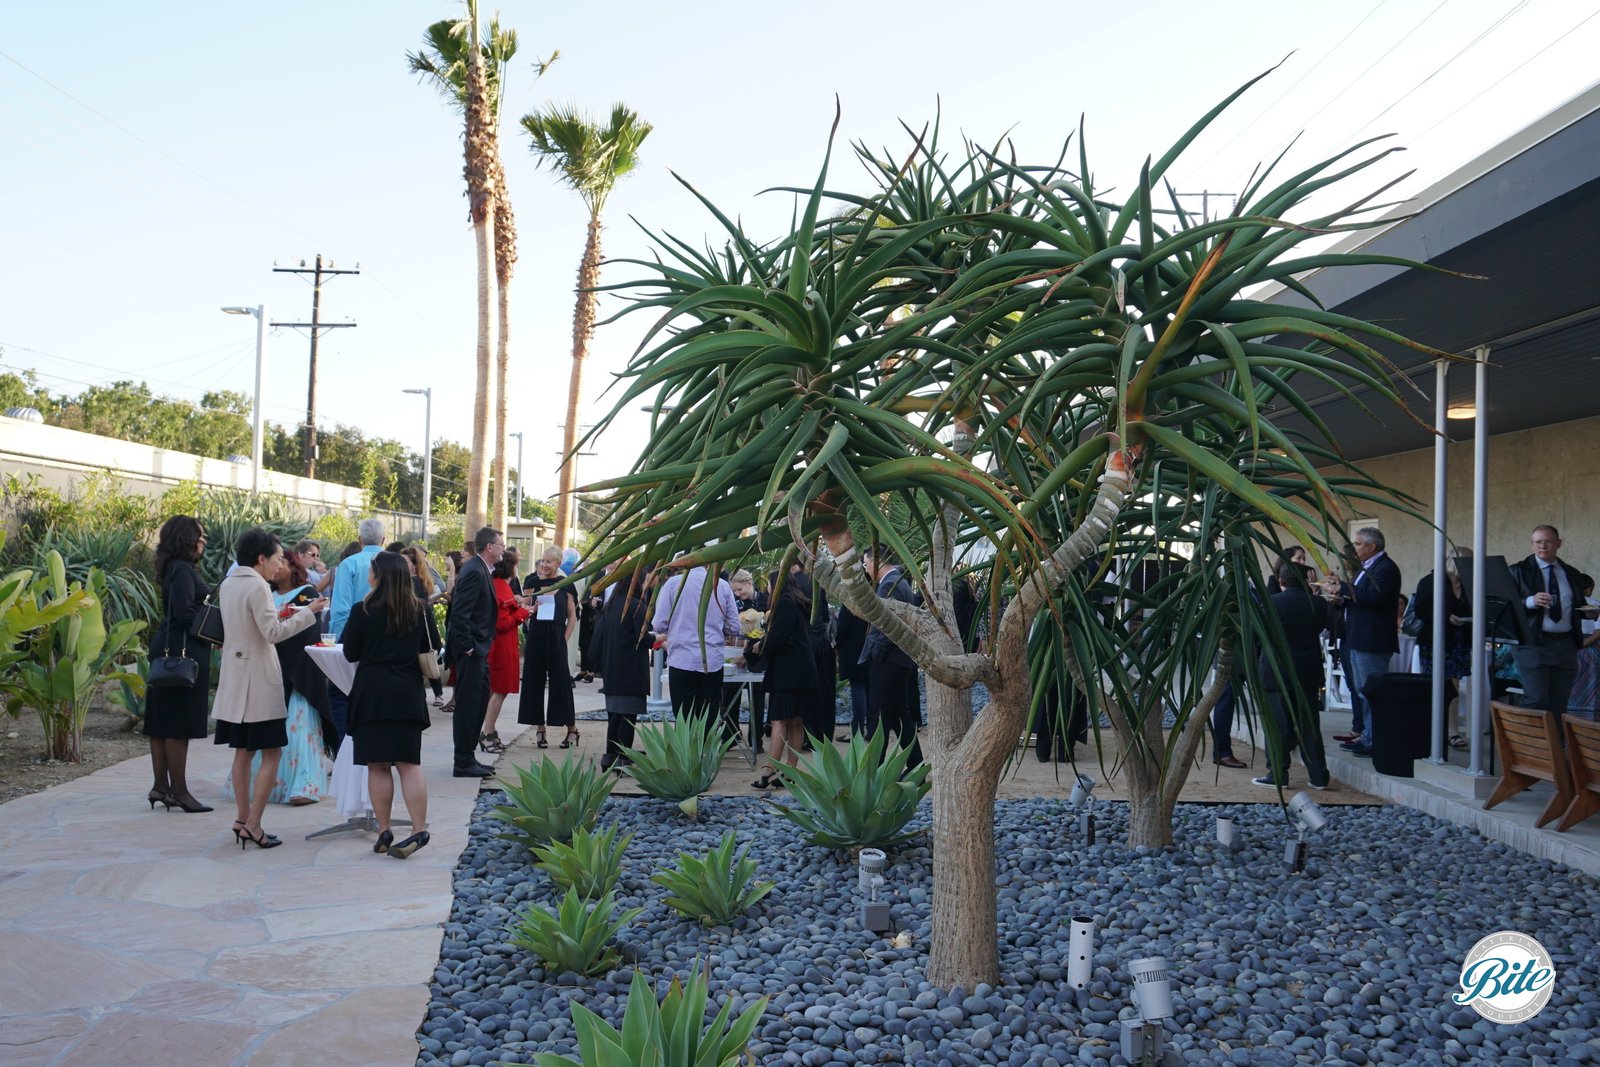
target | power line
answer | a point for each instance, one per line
(1463, 50)
(1297, 83)
(1339, 94)
(159, 151)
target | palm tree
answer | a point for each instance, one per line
(1007, 357)
(589, 158)
(443, 63)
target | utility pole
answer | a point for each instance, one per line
(316, 326)
(1205, 196)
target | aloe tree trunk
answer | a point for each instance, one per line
(582, 328)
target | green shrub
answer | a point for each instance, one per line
(666, 1035)
(715, 888)
(121, 555)
(679, 761)
(591, 864)
(551, 801)
(576, 937)
(857, 798)
(227, 513)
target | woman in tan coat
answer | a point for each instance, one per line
(249, 708)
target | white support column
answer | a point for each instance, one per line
(1480, 548)
(1441, 581)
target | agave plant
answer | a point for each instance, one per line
(855, 798)
(715, 888)
(577, 937)
(591, 864)
(672, 1033)
(551, 801)
(1071, 380)
(679, 761)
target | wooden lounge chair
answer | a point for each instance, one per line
(1583, 756)
(1530, 751)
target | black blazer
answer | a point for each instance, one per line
(878, 647)
(472, 612)
(388, 685)
(1529, 577)
(787, 648)
(1422, 605)
(1302, 617)
(848, 636)
(1372, 609)
(624, 636)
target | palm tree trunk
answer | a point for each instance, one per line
(502, 485)
(477, 507)
(582, 327)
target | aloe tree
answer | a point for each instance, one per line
(590, 158)
(1008, 356)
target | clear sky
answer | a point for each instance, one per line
(156, 160)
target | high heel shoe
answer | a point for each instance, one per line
(385, 839)
(190, 806)
(264, 840)
(405, 848)
(491, 743)
(572, 740)
(156, 796)
(542, 743)
(239, 834)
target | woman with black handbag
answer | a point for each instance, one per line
(180, 680)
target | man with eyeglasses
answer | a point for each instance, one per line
(1371, 623)
(1552, 595)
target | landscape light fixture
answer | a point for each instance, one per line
(874, 909)
(1080, 958)
(1309, 815)
(1227, 835)
(1144, 1040)
(255, 416)
(426, 392)
(1083, 796)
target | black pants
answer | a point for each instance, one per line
(1298, 724)
(1548, 667)
(694, 692)
(472, 698)
(544, 664)
(894, 705)
(820, 722)
(619, 735)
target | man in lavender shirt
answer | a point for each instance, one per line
(694, 652)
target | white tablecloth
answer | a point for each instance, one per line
(349, 782)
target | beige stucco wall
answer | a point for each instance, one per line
(1545, 475)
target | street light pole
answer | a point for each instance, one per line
(427, 457)
(260, 313)
(518, 436)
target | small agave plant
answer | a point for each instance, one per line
(665, 1034)
(679, 761)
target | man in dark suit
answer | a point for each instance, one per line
(1293, 701)
(471, 629)
(1551, 592)
(1371, 623)
(894, 702)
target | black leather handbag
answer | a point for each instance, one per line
(172, 672)
(207, 624)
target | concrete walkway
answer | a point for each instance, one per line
(136, 937)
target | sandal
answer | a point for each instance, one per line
(491, 743)
(449, 709)
(766, 781)
(542, 743)
(571, 740)
(438, 702)
(1459, 741)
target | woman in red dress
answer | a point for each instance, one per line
(505, 666)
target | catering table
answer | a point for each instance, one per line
(734, 673)
(349, 782)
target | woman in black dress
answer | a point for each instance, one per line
(791, 678)
(624, 658)
(173, 716)
(383, 637)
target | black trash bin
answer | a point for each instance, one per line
(1402, 713)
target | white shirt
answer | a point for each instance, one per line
(1565, 625)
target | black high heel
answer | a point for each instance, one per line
(196, 810)
(542, 742)
(266, 840)
(491, 743)
(409, 845)
(155, 796)
(385, 839)
(572, 740)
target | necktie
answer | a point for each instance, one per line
(1553, 587)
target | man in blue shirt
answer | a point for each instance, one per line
(350, 584)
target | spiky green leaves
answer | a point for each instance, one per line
(680, 760)
(855, 798)
(715, 888)
(576, 937)
(550, 801)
